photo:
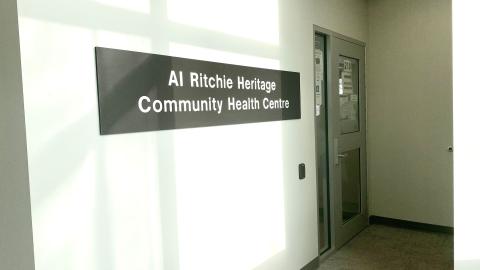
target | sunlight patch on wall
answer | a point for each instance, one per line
(63, 224)
(122, 41)
(87, 212)
(230, 195)
(131, 198)
(206, 54)
(142, 6)
(52, 51)
(251, 19)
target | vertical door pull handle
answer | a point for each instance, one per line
(335, 150)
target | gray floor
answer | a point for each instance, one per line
(383, 247)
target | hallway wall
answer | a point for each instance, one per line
(409, 90)
(224, 197)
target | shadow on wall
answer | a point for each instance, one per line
(182, 199)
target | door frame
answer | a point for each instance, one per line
(329, 34)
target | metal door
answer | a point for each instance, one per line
(346, 112)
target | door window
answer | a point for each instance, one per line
(348, 94)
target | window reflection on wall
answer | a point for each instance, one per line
(225, 209)
(229, 16)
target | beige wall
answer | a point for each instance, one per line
(409, 89)
(347, 17)
(16, 250)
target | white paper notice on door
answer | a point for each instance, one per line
(346, 76)
(354, 98)
(318, 77)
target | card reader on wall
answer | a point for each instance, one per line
(301, 171)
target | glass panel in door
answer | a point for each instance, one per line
(348, 94)
(351, 184)
(321, 144)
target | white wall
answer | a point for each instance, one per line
(208, 198)
(466, 129)
(409, 90)
(16, 250)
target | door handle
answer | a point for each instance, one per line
(337, 156)
(335, 151)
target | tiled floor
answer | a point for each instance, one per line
(383, 247)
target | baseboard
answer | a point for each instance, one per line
(313, 265)
(410, 224)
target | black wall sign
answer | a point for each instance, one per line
(142, 92)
